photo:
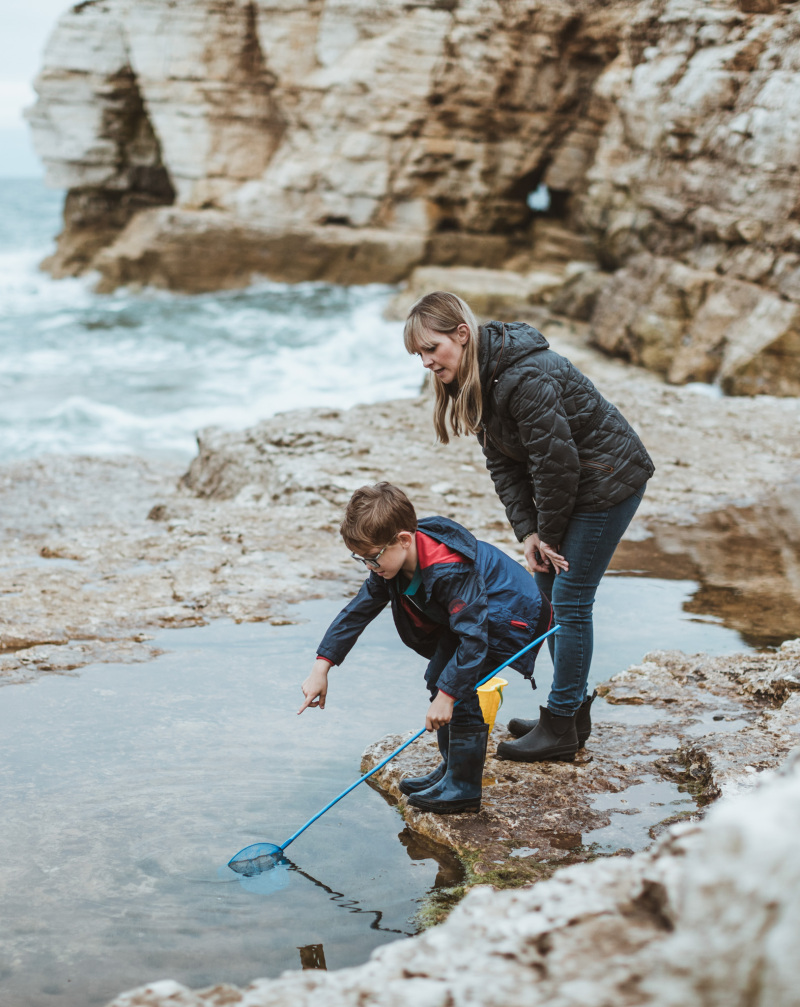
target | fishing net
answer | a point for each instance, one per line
(256, 859)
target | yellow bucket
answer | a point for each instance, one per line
(490, 696)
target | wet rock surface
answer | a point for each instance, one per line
(98, 551)
(668, 736)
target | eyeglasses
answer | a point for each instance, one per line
(372, 562)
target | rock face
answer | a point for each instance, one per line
(709, 917)
(206, 141)
(338, 139)
(692, 196)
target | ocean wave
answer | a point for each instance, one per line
(142, 371)
(87, 374)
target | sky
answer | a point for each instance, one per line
(24, 28)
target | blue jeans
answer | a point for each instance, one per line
(588, 545)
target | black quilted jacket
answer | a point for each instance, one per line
(553, 444)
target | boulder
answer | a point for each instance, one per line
(491, 293)
(692, 325)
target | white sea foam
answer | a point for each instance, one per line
(83, 373)
(24, 288)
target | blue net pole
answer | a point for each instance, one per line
(411, 740)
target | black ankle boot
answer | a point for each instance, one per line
(583, 722)
(460, 787)
(414, 784)
(553, 739)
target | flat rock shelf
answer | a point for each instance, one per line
(669, 735)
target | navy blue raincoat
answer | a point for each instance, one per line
(482, 605)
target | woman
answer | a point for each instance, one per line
(568, 467)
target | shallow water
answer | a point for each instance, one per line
(127, 788)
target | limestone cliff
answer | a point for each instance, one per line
(349, 140)
(336, 138)
(693, 195)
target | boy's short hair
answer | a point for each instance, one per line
(375, 515)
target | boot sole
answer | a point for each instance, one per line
(453, 808)
(581, 741)
(567, 755)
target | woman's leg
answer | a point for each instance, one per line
(588, 545)
(544, 581)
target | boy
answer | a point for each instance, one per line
(459, 602)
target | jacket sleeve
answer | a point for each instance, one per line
(463, 594)
(513, 485)
(538, 409)
(350, 623)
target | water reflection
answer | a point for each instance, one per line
(743, 561)
(267, 878)
(123, 789)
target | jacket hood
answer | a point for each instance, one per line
(451, 534)
(520, 342)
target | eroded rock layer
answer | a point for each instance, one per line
(693, 194)
(288, 137)
(207, 141)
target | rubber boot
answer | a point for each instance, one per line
(554, 739)
(583, 722)
(414, 784)
(460, 788)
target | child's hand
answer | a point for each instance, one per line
(440, 712)
(315, 687)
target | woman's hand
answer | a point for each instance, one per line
(543, 558)
(440, 712)
(532, 549)
(315, 687)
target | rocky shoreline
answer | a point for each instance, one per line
(707, 917)
(98, 552)
(669, 736)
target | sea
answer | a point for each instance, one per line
(142, 372)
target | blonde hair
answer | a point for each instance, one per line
(462, 398)
(375, 516)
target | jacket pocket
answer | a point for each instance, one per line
(509, 631)
(597, 465)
